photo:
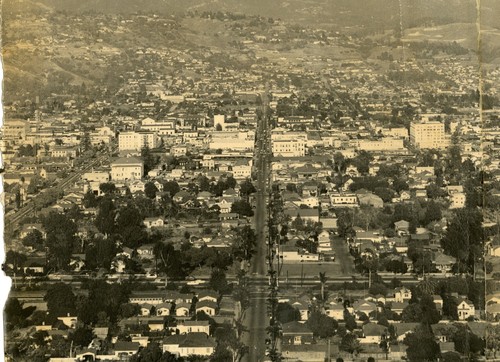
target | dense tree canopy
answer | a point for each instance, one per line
(60, 239)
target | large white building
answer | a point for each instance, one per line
(135, 141)
(163, 128)
(289, 147)
(127, 168)
(232, 140)
(288, 144)
(428, 135)
(384, 144)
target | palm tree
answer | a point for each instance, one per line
(322, 280)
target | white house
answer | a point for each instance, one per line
(465, 309)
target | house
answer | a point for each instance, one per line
(182, 309)
(225, 206)
(207, 306)
(363, 306)
(370, 199)
(305, 214)
(207, 295)
(398, 307)
(69, 320)
(28, 228)
(187, 326)
(495, 250)
(303, 309)
(402, 227)
(443, 262)
(292, 253)
(194, 343)
(156, 325)
(146, 251)
(176, 297)
(181, 197)
(296, 333)
(403, 329)
(153, 222)
(402, 294)
(465, 309)
(124, 348)
(163, 309)
(438, 302)
(145, 309)
(335, 310)
(373, 333)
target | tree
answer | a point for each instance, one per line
(150, 160)
(432, 213)
(60, 239)
(247, 188)
(244, 243)
(422, 345)
(129, 224)
(100, 253)
(467, 342)
(81, 336)
(60, 299)
(396, 266)
(34, 239)
(228, 344)
(172, 187)
(16, 259)
(242, 208)
(286, 313)
(150, 190)
(322, 280)
(16, 314)
(105, 219)
(362, 161)
(218, 281)
(350, 344)
(464, 236)
(151, 353)
(107, 188)
(321, 325)
(493, 338)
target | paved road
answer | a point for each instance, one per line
(12, 221)
(343, 256)
(256, 319)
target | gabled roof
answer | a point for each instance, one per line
(206, 303)
(296, 328)
(126, 346)
(402, 328)
(372, 329)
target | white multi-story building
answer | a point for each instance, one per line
(135, 141)
(428, 135)
(127, 168)
(289, 148)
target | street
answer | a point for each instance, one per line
(256, 319)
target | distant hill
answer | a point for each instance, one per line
(345, 13)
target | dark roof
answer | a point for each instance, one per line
(295, 328)
(126, 346)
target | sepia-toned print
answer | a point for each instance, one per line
(250, 181)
